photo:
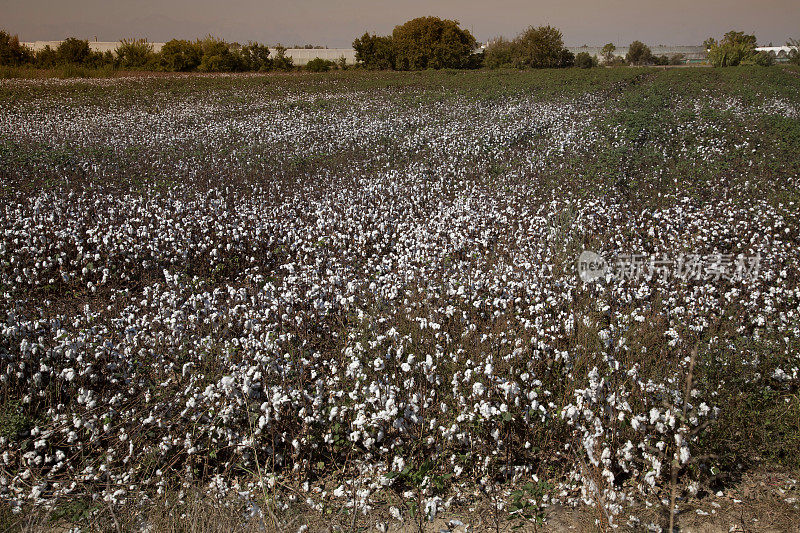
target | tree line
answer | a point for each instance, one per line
(203, 55)
(431, 42)
(421, 43)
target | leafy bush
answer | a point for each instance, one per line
(135, 54)
(12, 53)
(281, 61)
(498, 53)
(100, 60)
(639, 54)
(46, 58)
(374, 52)
(218, 56)
(677, 59)
(734, 49)
(73, 51)
(584, 60)
(764, 59)
(431, 42)
(180, 56)
(794, 53)
(661, 60)
(319, 65)
(566, 58)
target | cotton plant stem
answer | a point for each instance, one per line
(676, 457)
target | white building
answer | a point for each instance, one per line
(94, 46)
(780, 53)
(301, 56)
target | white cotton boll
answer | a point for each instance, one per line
(684, 455)
(780, 375)
(227, 383)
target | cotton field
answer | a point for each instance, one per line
(342, 294)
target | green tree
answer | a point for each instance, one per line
(541, 47)
(608, 53)
(431, 42)
(255, 57)
(73, 51)
(374, 52)
(180, 56)
(12, 53)
(732, 50)
(135, 54)
(639, 54)
(584, 60)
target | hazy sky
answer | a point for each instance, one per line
(336, 23)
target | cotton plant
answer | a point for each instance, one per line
(632, 436)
